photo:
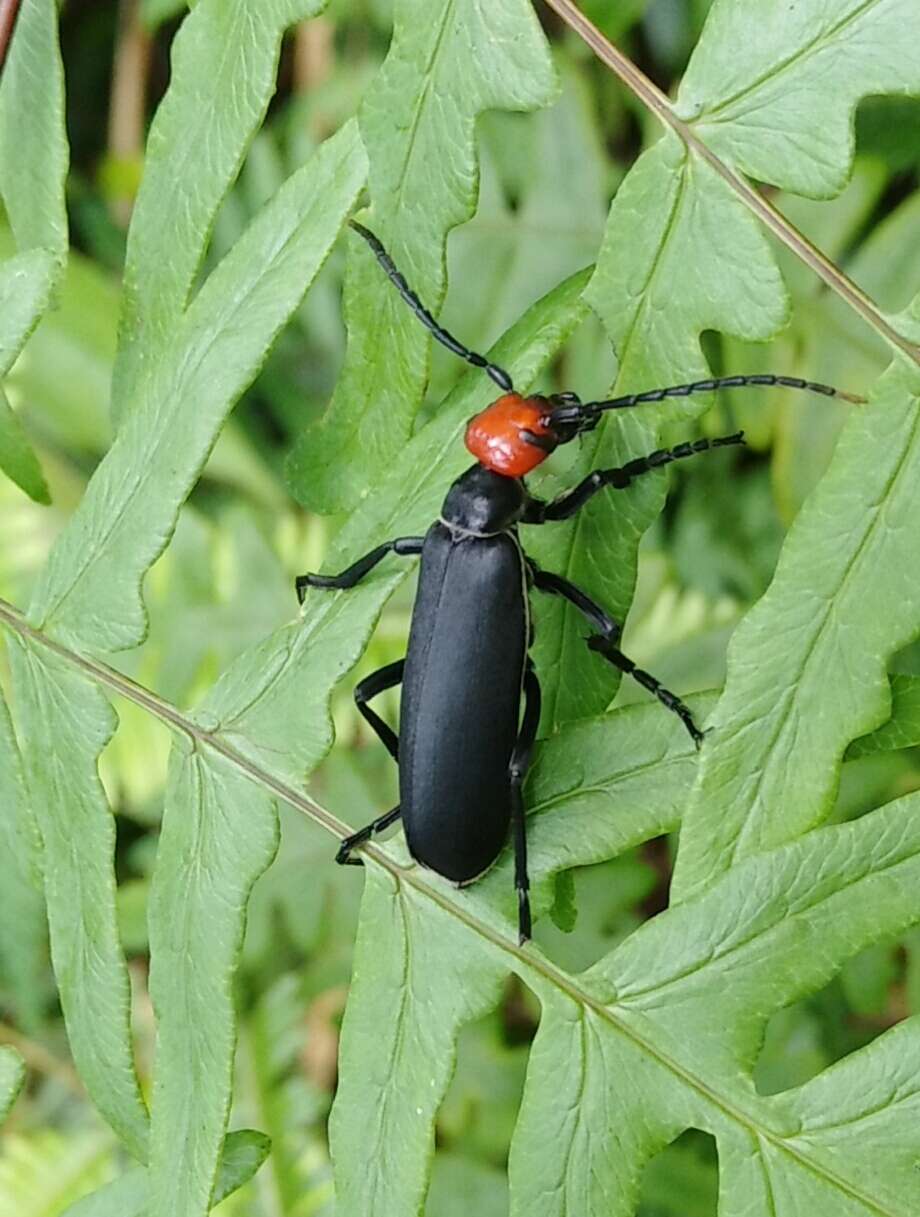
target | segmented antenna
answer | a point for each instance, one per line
(587, 415)
(499, 375)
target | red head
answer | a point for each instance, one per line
(513, 435)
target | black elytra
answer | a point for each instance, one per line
(464, 745)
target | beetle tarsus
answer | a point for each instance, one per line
(363, 835)
(603, 646)
(524, 925)
(343, 856)
(352, 575)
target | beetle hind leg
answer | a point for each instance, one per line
(605, 644)
(517, 771)
(363, 835)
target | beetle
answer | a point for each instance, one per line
(464, 747)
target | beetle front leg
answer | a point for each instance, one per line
(624, 475)
(356, 572)
(517, 770)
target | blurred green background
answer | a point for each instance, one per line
(226, 580)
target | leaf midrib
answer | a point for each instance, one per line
(527, 960)
(705, 117)
(381, 318)
(749, 828)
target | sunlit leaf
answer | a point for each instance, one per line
(224, 67)
(22, 909)
(447, 63)
(90, 589)
(806, 668)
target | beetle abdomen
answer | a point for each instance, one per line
(461, 701)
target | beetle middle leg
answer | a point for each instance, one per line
(370, 686)
(517, 771)
(605, 644)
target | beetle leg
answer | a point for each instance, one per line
(517, 771)
(370, 686)
(546, 581)
(605, 644)
(573, 500)
(344, 858)
(605, 647)
(356, 572)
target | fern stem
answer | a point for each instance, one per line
(164, 710)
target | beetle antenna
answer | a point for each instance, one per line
(587, 415)
(499, 375)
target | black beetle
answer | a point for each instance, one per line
(463, 748)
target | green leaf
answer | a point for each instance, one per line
(33, 169)
(89, 592)
(63, 380)
(517, 254)
(418, 962)
(902, 730)
(832, 341)
(17, 459)
(448, 62)
(12, 1075)
(26, 282)
(630, 1054)
(205, 869)
(22, 909)
(681, 255)
(55, 703)
(841, 601)
(596, 788)
(224, 66)
(243, 1153)
(271, 709)
(779, 105)
(33, 143)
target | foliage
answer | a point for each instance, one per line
(156, 578)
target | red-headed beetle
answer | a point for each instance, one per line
(464, 747)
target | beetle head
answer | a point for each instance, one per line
(515, 434)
